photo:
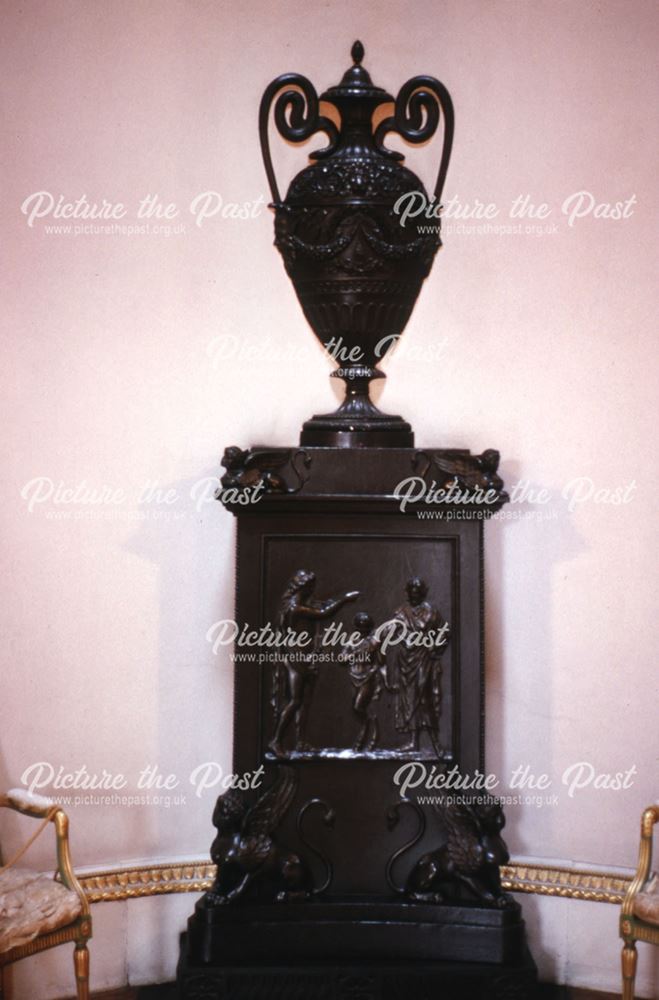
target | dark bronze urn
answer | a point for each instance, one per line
(356, 268)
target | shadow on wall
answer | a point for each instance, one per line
(551, 539)
(191, 540)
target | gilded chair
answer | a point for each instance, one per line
(639, 919)
(36, 911)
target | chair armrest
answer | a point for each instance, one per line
(648, 820)
(64, 866)
(23, 802)
(39, 807)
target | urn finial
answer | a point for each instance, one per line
(356, 85)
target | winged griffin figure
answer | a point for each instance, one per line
(469, 471)
(248, 469)
(469, 860)
(250, 863)
(466, 867)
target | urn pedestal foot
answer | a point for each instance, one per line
(357, 423)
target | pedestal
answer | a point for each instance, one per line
(347, 872)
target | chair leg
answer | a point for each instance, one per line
(81, 965)
(6, 992)
(629, 956)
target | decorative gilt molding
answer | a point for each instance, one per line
(198, 876)
(148, 880)
(568, 883)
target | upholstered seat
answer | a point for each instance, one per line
(33, 904)
(36, 911)
(646, 904)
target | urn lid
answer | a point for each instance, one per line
(356, 83)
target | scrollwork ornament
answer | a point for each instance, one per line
(297, 118)
(415, 119)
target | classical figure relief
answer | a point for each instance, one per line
(466, 867)
(248, 858)
(293, 681)
(416, 670)
(367, 674)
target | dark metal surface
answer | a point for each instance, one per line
(344, 526)
(466, 866)
(294, 677)
(336, 882)
(356, 270)
(387, 979)
(331, 549)
(250, 862)
(169, 991)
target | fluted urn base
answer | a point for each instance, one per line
(357, 423)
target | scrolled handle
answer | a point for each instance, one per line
(421, 94)
(296, 117)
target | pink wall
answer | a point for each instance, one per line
(539, 345)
